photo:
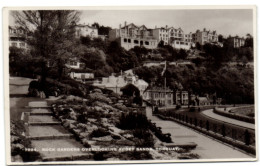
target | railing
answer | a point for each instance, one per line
(243, 139)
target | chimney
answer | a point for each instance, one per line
(166, 27)
(204, 29)
(126, 31)
(119, 26)
(155, 27)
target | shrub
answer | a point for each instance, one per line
(99, 133)
(178, 107)
(98, 97)
(76, 92)
(132, 121)
(145, 138)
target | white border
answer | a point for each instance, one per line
(136, 7)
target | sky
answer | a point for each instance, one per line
(224, 21)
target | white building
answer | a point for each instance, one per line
(17, 38)
(74, 63)
(161, 34)
(79, 76)
(86, 30)
(131, 35)
(115, 83)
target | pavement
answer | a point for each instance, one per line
(213, 115)
(19, 85)
(207, 148)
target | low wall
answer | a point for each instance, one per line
(234, 116)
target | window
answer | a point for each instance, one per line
(141, 43)
(146, 43)
(125, 40)
(136, 41)
(169, 102)
(129, 40)
(14, 44)
(22, 44)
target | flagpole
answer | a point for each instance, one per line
(165, 92)
(165, 86)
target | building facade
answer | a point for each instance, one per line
(159, 96)
(74, 63)
(205, 36)
(80, 76)
(237, 41)
(166, 97)
(131, 35)
(181, 98)
(17, 38)
(115, 83)
(86, 30)
(161, 34)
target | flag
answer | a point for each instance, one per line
(164, 69)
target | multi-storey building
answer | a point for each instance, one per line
(205, 36)
(175, 34)
(179, 40)
(18, 37)
(165, 96)
(131, 35)
(159, 96)
(181, 97)
(161, 34)
(86, 30)
(237, 41)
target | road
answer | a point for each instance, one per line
(207, 148)
(211, 114)
(212, 121)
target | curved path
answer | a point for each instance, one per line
(207, 148)
(213, 115)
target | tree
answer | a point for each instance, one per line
(102, 30)
(182, 54)
(198, 46)
(161, 44)
(220, 38)
(51, 33)
(249, 42)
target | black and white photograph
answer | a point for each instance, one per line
(130, 84)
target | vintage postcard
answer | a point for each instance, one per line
(99, 85)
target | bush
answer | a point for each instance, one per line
(76, 92)
(98, 97)
(178, 107)
(145, 138)
(99, 133)
(132, 121)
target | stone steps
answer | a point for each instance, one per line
(43, 123)
(48, 136)
(62, 136)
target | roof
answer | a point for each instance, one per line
(82, 25)
(203, 99)
(132, 24)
